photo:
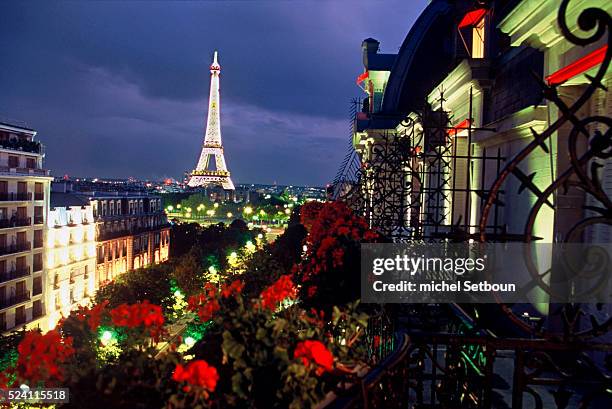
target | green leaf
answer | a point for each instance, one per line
(231, 347)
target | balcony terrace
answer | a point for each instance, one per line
(14, 300)
(11, 275)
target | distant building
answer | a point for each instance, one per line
(24, 202)
(70, 255)
(132, 230)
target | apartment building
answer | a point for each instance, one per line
(132, 232)
(70, 255)
(131, 229)
(24, 202)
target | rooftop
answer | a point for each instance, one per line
(61, 199)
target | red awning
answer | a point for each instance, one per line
(472, 17)
(578, 67)
(460, 126)
(362, 77)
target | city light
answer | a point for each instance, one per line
(248, 210)
(190, 341)
(229, 215)
(107, 337)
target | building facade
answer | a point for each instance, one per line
(462, 113)
(24, 203)
(70, 256)
(464, 144)
(132, 232)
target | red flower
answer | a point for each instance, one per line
(140, 314)
(92, 315)
(376, 341)
(331, 226)
(283, 288)
(41, 356)
(204, 305)
(234, 288)
(197, 373)
(314, 351)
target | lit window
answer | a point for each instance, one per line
(478, 39)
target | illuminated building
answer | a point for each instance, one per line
(211, 169)
(70, 255)
(132, 232)
(435, 129)
(480, 90)
(24, 201)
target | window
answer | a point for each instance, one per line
(37, 261)
(22, 214)
(22, 265)
(38, 214)
(37, 286)
(38, 191)
(20, 316)
(36, 309)
(478, 39)
(30, 163)
(38, 238)
(13, 161)
(21, 240)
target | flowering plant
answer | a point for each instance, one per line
(329, 270)
(42, 357)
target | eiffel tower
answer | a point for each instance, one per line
(212, 149)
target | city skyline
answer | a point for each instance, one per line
(95, 77)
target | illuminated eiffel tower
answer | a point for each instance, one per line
(212, 149)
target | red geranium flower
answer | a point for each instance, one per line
(234, 288)
(140, 314)
(41, 356)
(205, 304)
(283, 288)
(197, 373)
(314, 351)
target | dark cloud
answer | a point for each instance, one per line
(119, 89)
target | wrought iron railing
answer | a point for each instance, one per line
(564, 359)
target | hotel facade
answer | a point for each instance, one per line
(435, 133)
(24, 204)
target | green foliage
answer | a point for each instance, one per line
(151, 283)
(259, 345)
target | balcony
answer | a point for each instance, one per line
(38, 244)
(22, 146)
(37, 267)
(15, 222)
(15, 299)
(15, 197)
(39, 196)
(39, 219)
(25, 171)
(11, 275)
(15, 248)
(36, 290)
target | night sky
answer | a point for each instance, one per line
(120, 89)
